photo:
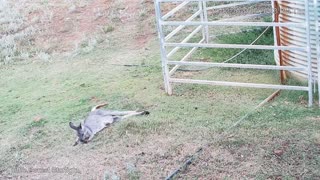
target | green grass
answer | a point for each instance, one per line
(250, 56)
(195, 115)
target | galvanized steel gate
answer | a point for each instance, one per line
(201, 26)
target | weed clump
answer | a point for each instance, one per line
(14, 33)
(108, 29)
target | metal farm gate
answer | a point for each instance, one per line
(200, 24)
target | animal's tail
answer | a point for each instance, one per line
(98, 106)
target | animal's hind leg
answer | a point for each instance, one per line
(120, 113)
(134, 113)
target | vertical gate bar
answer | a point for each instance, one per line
(274, 28)
(202, 18)
(316, 14)
(205, 14)
(164, 59)
(307, 18)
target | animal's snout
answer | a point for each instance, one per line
(84, 139)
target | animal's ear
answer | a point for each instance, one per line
(73, 126)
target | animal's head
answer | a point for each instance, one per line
(82, 133)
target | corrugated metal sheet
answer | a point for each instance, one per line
(294, 12)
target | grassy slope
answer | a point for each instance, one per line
(194, 115)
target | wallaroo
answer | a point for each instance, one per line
(98, 119)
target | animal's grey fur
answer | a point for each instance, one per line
(97, 120)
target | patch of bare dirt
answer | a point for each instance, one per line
(64, 26)
(154, 157)
(68, 25)
(279, 158)
(219, 163)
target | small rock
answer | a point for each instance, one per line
(278, 152)
(278, 178)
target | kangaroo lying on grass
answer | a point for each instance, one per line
(98, 119)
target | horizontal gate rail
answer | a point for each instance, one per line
(220, 23)
(191, 35)
(175, 31)
(242, 66)
(237, 46)
(173, 70)
(231, 5)
(165, 1)
(238, 84)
